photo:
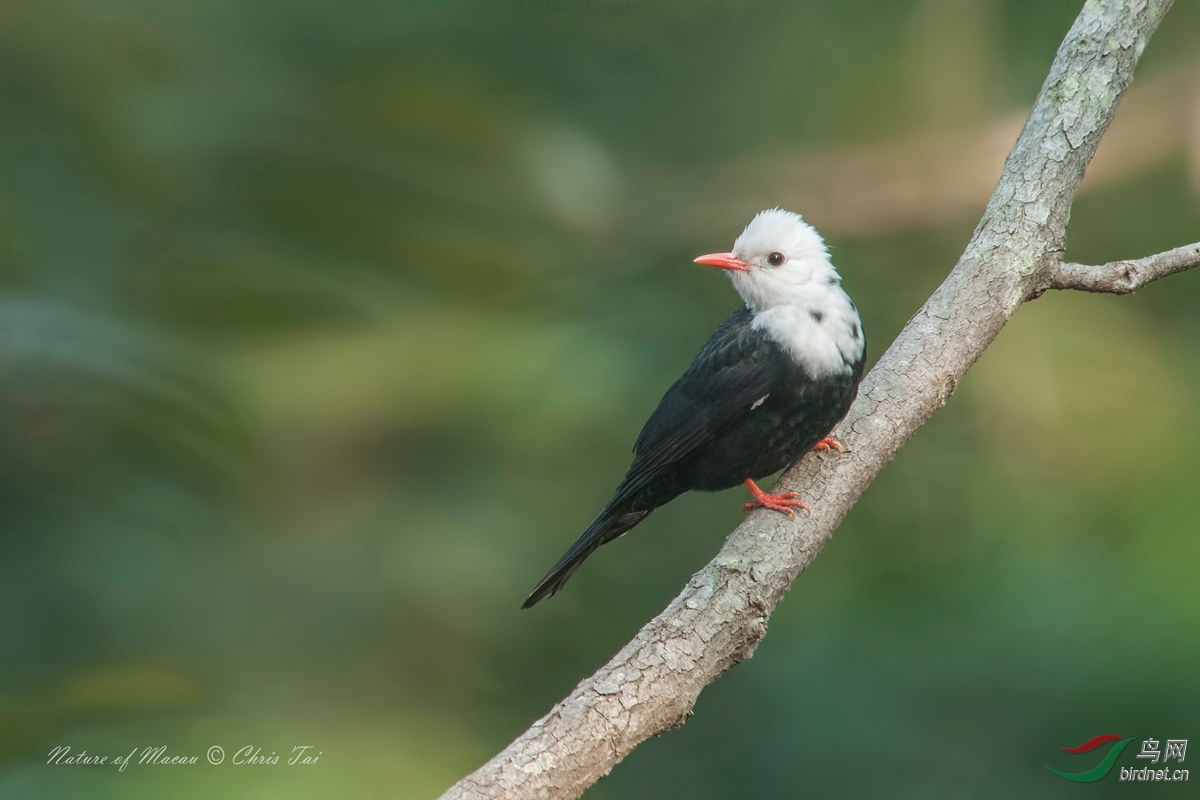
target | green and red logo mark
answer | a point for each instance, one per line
(1100, 770)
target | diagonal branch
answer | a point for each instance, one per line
(1124, 277)
(721, 615)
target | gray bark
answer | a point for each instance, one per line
(1124, 277)
(721, 615)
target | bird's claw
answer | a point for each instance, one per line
(784, 502)
(829, 443)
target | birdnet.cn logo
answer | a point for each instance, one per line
(1150, 770)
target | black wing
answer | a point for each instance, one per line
(736, 367)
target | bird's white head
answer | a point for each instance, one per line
(780, 267)
(777, 260)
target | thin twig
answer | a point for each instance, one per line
(1125, 277)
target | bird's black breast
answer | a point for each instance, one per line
(743, 409)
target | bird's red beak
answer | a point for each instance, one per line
(724, 261)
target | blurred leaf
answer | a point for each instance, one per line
(439, 105)
(80, 386)
(236, 292)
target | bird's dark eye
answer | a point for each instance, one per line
(775, 259)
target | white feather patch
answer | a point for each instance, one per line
(822, 334)
(799, 303)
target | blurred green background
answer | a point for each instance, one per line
(326, 327)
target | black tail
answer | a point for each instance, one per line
(608, 526)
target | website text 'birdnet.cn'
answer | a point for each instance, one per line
(1174, 749)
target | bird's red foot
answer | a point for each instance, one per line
(784, 502)
(829, 443)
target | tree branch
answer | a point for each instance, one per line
(721, 615)
(1125, 277)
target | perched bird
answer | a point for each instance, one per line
(768, 386)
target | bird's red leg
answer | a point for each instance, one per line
(829, 443)
(784, 502)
